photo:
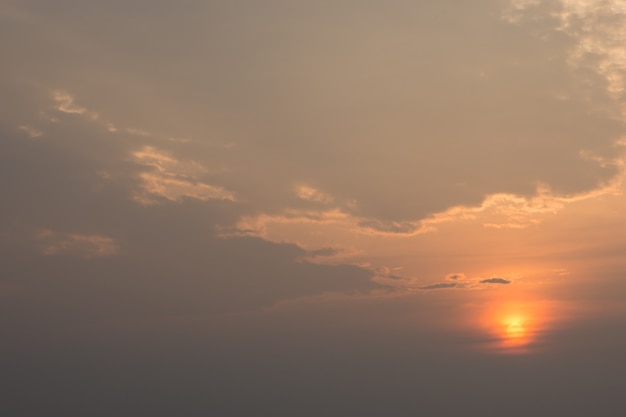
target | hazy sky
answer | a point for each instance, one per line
(312, 208)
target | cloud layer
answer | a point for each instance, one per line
(386, 114)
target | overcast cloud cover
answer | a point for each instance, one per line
(310, 208)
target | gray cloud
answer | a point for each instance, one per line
(378, 102)
(455, 277)
(81, 236)
(441, 285)
(495, 281)
(323, 252)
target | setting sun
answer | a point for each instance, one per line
(515, 329)
(515, 326)
(514, 332)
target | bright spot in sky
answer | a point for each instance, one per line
(515, 329)
(514, 334)
(516, 326)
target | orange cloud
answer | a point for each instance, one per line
(173, 179)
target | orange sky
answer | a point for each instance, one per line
(278, 203)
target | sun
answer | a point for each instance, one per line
(513, 325)
(519, 326)
(515, 329)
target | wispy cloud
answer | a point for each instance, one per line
(173, 179)
(84, 245)
(31, 131)
(309, 193)
(65, 103)
(461, 281)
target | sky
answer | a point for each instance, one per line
(312, 208)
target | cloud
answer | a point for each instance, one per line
(372, 130)
(89, 246)
(459, 281)
(340, 118)
(597, 29)
(93, 242)
(442, 285)
(394, 227)
(32, 132)
(308, 193)
(65, 103)
(173, 179)
(171, 188)
(456, 277)
(324, 252)
(517, 8)
(495, 281)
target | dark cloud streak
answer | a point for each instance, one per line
(495, 281)
(442, 285)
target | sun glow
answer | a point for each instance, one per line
(515, 330)
(515, 327)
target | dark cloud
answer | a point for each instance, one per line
(495, 281)
(441, 285)
(323, 252)
(455, 277)
(81, 236)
